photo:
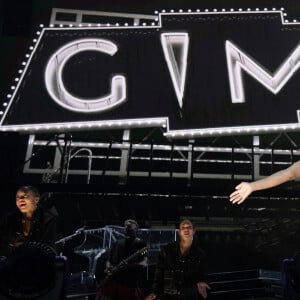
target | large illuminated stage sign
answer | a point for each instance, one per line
(194, 73)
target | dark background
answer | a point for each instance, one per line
(262, 245)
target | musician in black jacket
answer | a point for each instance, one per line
(181, 267)
(123, 285)
(29, 224)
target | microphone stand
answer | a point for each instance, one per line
(68, 238)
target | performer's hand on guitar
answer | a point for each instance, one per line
(151, 297)
(107, 270)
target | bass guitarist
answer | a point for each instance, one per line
(123, 275)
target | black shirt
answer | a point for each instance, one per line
(121, 250)
(179, 274)
(43, 229)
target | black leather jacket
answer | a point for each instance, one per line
(179, 275)
(11, 230)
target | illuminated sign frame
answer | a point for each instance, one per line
(237, 61)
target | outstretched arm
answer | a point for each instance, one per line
(244, 189)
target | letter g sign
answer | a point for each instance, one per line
(58, 92)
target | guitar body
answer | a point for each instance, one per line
(111, 289)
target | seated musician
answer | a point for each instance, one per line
(31, 223)
(124, 266)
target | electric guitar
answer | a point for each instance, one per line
(116, 269)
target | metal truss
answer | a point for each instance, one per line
(62, 157)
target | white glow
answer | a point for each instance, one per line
(56, 88)
(237, 60)
(177, 65)
(231, 130)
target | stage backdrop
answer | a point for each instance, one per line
(194, 73)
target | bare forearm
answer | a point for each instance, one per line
(272, 180)
(244, 189)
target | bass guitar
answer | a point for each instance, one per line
(116, 269)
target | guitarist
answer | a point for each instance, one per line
(123, 282)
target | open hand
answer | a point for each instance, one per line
(242, 191)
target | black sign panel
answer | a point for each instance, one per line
(195, 74)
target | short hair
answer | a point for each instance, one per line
(29, 189)
(131, 221)
(186, 221)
